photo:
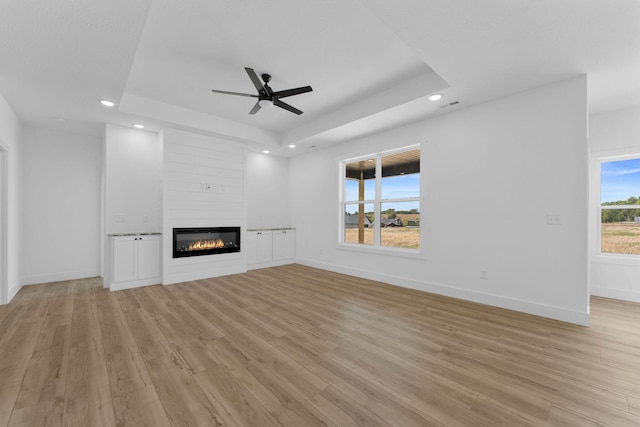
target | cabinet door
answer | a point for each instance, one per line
(263, 246)
(249, 246)
(284, 244)
(124, 259)
(148, 257)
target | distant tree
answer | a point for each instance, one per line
(391, 213)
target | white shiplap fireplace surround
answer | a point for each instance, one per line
(202, 186)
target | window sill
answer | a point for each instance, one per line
(397, 252)
(619, 259)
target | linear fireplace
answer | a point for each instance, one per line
(189, 242)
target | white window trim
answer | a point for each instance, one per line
(595, 191)
(377, 248)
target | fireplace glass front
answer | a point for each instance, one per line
(189, 242)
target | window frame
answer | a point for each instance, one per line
(377, 203)
(598, 159)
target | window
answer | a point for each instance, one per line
(620, 206)
(380, 201)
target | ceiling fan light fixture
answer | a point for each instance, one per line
(266, 96)
(435, 97)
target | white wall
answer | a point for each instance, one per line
(267, 191)
(612, 134)
(61, 206)
(10, 140)
(490, 175)
(190, 161)
(133, 180)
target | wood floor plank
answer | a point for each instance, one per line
(298, 346)
(359, 388)
(284, 403)
(183, 400)
(87, 399)
(125, 367)
(140, 407)
(41, 397)
(634, 404)
(237, 406)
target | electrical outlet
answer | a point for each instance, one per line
(484, 274)
(121, 218)
(145, 218)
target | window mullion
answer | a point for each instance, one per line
(378, 204)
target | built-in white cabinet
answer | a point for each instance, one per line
(135, 261)
(266, 248)
(284, 244)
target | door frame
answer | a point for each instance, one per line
(4, 298)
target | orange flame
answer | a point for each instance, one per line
(206, 244)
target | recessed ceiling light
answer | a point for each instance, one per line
(435, 97)
(60, 119)
(292, 145)
(266, 151)
(107, 103)
(138, 126)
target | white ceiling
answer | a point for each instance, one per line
(371, 63)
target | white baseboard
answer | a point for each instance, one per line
(134, 284)
(58, 277)
(621, 294)
(12, 293)
(270, 264)
(537, 309)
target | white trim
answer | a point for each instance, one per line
(597, 158)
(134, 284)
(58, 277)
(270, 264)
(529, 307)
(12, 293)
(5, 296)
(621, 294)
(382, 250)
(377, 206)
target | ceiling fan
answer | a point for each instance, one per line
(266, 94)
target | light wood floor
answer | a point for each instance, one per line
(295, 346)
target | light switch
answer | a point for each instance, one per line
(553, 219)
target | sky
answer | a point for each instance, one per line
(619, 180)
(395, 187)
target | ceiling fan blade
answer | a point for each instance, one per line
(255, 108)
(234, 93)
(288, 107)
(254, 78)
(291, 92)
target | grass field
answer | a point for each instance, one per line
(621, 238)
(399, 237)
